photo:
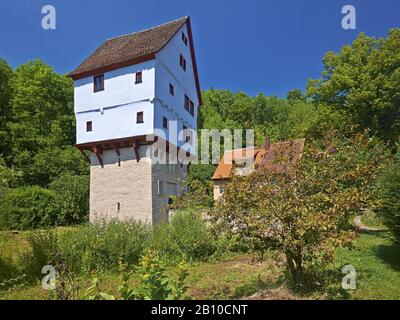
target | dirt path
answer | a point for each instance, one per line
(362, 228)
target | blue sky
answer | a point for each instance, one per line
(268, 46)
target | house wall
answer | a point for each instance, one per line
(164, 177)
(115, 123)
(119, 88)
(130, 185)
(219, 186)
(113, 111)
(168, 71)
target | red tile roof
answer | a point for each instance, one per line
(290, 150)
(134, 48)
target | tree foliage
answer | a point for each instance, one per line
(363, 80)
(28, 207)
(280, 119)
(388, 196)
(72, 193)
(5, 95)
(41, 125)
(303, 211)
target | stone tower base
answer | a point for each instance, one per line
(124, 188)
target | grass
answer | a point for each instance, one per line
(375, 257)
(237, 277)
(233, 276)
(377, 262)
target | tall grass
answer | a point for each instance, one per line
(186, 235)
(99, 247)
(108, 245)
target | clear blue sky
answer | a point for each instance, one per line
(268, 46)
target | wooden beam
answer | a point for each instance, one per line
(136, 147)
(97, 151)
(85, 155)
(116, 148)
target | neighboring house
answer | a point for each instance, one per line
(242, 162)
(128, 89)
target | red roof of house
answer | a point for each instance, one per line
(263, 158)
(134, 48)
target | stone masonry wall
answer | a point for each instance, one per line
(133, 190)
(128, 184)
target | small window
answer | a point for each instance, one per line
(98, 83)
(187, 103)
(171, 90)
(182, 62)
(184, 39)
(139, 77)
(191, 108)
(139, 117)
(89, 126)
(165, 123)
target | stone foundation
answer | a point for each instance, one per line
(126, 189)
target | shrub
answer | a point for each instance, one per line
(105, 245)
(200, 194)
(100, 247)
(6, 268)
(43, 249)
(186, 234)
(29, 207)
(388, 195)
(6, 176)
(155, 283)
(72, 197)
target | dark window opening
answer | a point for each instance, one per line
(89, 126)
(187, 103)
(139, 117)
(171, 90)
(138, 77)
(98, 83)
(184, 39)
(165, 123)
(182, 62)
(191, 108)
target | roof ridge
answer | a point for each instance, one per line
(148, 29)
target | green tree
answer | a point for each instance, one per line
(5, 96)
(296, 95)
(388, 196)
(28, 208)
(363, 80)
(42, 124)
(72, 198)
(303, 211)
(50, 163)
(5, 177)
